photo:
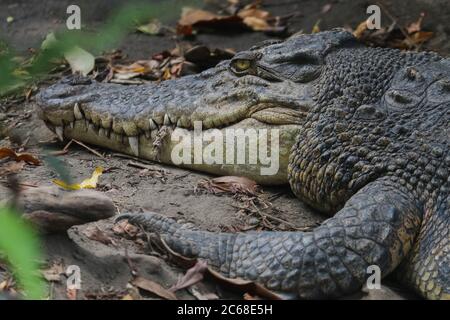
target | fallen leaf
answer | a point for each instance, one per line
(230, 184)
(420, 37)
(237, 284)
(417, 25)
(249, 17)
(28, 158)
(248, 296)
(192, 16)
(327, 7)
(203, 296)
(13, 167)
(98, 235)
(154, 27)
(80, 60)
(153, 287)
(316, 27)
(124, 228)
(53, 274)
(71, 294)
(191, 277)
(360, 29)
(90, 183)
(257, 24)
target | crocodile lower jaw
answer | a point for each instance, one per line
(158, 146)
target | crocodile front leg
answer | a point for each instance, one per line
(377, 226)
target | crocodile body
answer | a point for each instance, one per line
(368, 134)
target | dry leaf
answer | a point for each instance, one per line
(154, 27)
(138, 68)
(417, 25)
(124, 228)
(191, 277)
(80, 60)
(53, 274)
(230, 184)
(257, 24)
(420, 37)
(316, 27)
(153, 287)
(71, 294)
(13, 167)
(90, 183)
(250, 17)
(327, 7)
(28, 158)
(98, 235)
(245, 286)
(360, 29)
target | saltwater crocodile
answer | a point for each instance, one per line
(367, 131)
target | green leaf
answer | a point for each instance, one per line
(19, 243)
(151, 28)
(80, 60)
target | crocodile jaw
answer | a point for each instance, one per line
(139, 120)
(148, 149)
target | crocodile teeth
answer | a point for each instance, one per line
(102, 132)
(134, 145)
(59, 130)
(72, 124)
(77, 112)
(167, 121)
(179, 123)
(153, 125)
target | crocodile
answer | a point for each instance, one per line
(364, 138)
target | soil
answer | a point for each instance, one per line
(105, 269)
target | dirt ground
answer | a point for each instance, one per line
(105, 271)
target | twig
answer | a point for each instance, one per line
(126, 156)
(393, 19)
(130, 264)
(98, 154)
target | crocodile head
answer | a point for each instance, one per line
(269, 87)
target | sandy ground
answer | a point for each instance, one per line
(105, 271)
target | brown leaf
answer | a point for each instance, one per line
(53, 274)
(71, 294)
(28, 158)
(13, 167)
(191, 277)
(360, 29)
(244, 286)
(417, 25)
(230, 184)
(327, 7)
(124, 228)
(153, 287)
(98, 235)
(138, 68)
(420, 37)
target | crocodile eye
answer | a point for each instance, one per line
(240, 65)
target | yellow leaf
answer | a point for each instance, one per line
(362, 27)
(90, 183)
(316, 27)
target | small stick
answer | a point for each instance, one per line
(126, 156)
(89, 149)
